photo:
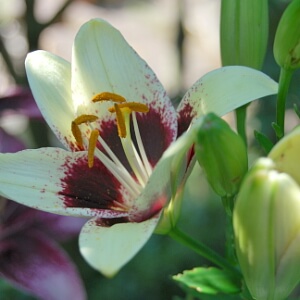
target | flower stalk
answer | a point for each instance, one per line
(284, 84)
(203, 250)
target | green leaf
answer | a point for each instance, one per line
(263, 141)
(278, 130)
(210, 281)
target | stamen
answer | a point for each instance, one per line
(133, 106)
(134, 160)
(107, 96)
(120, 122)
(77, 134)
(84, 119)
(92, 146)
(146, 163)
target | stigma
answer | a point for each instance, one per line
(87, 134)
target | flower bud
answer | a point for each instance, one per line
(286, 154)
(222, 154)
(287, 38)
(244, 32)
(266, 221)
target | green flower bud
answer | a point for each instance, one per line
(266, 221)
(286, 154)
(222, 154)
(244, 32)
(287, 38)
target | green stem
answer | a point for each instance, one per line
(228, 203)
(202, 250)
(241, 114)
(230, 243)
(284, 84)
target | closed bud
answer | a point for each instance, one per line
(244, 32)
(266, 222)
(286, 154)
(287, 38)
(222, 155)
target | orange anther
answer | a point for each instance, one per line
(85, 119)
(77, 133)
(92, 146)
(133, 106)
(120, 121)
(107, 96)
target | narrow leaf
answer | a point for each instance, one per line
(278, 130)
(211, 281)
(263, 141)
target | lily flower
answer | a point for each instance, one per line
(30, 257)
(127, 148)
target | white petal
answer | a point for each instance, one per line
(108, 249)
(226, 89)
(49, 77)
(166, 176)
(104, 62)
(36, 178)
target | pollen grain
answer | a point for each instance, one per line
(107, 96)
(120, 121)
(85, 119)
(77, 133)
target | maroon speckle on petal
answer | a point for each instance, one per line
(88, 187)
(110, 222)
(190, 155)
(156, 136)
(158, 204)
(185, 117)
